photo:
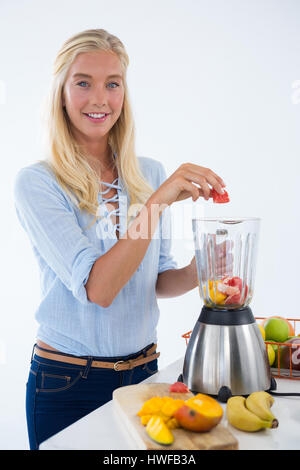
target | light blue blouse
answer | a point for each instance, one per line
(66, 249)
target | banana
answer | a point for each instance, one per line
(241, 418)
(260, 404)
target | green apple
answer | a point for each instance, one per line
(276, 330)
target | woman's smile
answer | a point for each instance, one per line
(97, 118)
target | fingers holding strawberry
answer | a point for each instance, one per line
(189, 180)
(219, 198)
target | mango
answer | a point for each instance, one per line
(159, 431)
(151, 406)
(171, 406)
(218, 297)
(172, 423)
(164, 407)
(200, 413)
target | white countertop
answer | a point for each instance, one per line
(101, 430)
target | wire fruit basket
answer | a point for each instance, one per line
(287, 355)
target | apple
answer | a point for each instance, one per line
(276, 329)
(291, 353)
(291, 328)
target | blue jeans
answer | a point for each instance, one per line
(58, 393)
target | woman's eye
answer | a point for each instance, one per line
(80, 84)
(114, 83)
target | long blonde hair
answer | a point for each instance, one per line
(64, 155)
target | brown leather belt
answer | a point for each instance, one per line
(117, 366)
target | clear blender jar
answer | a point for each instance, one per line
(225, 251)
(226, 353)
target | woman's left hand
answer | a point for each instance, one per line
(224, 261)
(192, 267)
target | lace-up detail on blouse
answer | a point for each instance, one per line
(103, 211)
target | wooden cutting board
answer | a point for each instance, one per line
(127, 401)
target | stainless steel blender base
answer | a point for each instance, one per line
(226, 349)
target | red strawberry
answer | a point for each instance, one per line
(179, 387)
(234, 281)
(227, 289)
(233, 299)
(237, 281)
(219, 198)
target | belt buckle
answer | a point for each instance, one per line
(116, 365)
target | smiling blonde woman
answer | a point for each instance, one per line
(98, 220)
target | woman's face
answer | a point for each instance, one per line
(94, 84)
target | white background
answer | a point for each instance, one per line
(213, 82)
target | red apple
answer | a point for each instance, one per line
(291, 353)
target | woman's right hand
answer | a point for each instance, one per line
(179, 185)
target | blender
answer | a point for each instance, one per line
(226, 353)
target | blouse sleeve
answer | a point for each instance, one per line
(166, 260)
(51, 224)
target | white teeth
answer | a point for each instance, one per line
(96, 115)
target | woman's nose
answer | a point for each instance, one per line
(99, 96)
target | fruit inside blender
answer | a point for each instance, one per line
(226, 292)
(225, 252)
